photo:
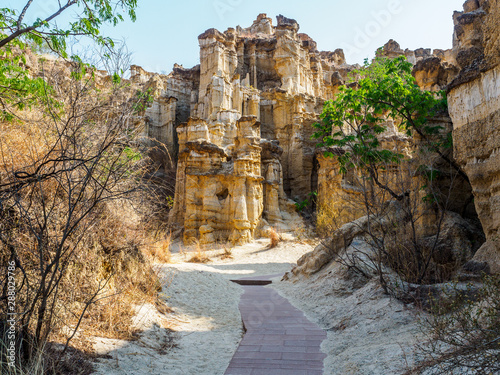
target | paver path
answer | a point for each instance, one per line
(279, 340)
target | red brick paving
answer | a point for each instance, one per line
(279, 340)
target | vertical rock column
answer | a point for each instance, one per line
(199, 174)
(271, 171)
(247, 195)
(161, 124)
(176, 216)
(329, 185)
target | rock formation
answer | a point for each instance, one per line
(239, 126)
(243, 121)
(474, 104)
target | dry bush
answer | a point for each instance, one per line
(227, 253)
(133, 279)
(274, 238)
(66, 175)
(155, 197)
(160, 249)
(404, 234)
(200, 255)
(400, 256)
(327, 221)
(464, 332)
(305, 234)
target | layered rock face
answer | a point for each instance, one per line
(244, 146)
(474, 103)
(171, 106)
(239, 127)
(274, 74)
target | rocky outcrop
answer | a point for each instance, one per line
(474, 103)
(219, 195)
(341, 239)
(231, 183)
(172, 96)
(277, 77)
(457, 241)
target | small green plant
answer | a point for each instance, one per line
(170, 201)
(301, 206)
(142, 100)
(131, 154)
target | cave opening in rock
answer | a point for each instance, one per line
(223, 194)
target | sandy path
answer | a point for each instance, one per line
(206, 316)
(369, 333)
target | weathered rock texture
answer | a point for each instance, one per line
(340, 196)
(474, 103)
(243, 121)
(239, 125)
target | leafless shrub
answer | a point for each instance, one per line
(464, 331)
(405, 236)
(200, 255)
(61, 171)
(274, 237)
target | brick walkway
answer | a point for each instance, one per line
(279, 340)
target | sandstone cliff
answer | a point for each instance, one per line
(474, 104)
(239, 126)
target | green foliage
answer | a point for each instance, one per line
(170, 201)
(384, 89)
(93, 14)
(18, 89)
(131, 154)
(300, 206)
(143, 100)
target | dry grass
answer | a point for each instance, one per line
(114, 254)
(305, 235)
(160, 250)
(274, 238)
(227, 252)
(200, 255)
(117, 256)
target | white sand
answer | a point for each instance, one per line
(368, 332)
(206, 316)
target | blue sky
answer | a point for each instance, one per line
(166, 31)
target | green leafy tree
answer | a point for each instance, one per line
(52, 194)
(18, 89)
(382, 90)
(352, 126)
